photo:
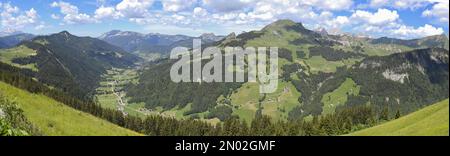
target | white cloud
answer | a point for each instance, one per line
(134, 8)
(79, 19)
(378, 3)
(101, 2)
(410, 4)
(54, 16)
(404, 4)
(107, 12)
(178, 17)
(41, 26)
(227, 5)
(215, 11)
(200, 12)
(342, 20)
(338, 22)
(31, 13)
(177, 5)
(195, 14)
(440, 10)
(396, 30)
(334, 4)
(398, 4)
(381, 17)
(335, 26)
(411, 32)
(277, 9)
(251, 12)
(239, 13)
(382, 22)
(71, 13)
(225, 17)
(269, 10)
(12, 17)
(66, 8)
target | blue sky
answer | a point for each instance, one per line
(375, 18)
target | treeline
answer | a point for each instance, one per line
(156, 88)
(289, 69)
(331, 54)
(344, 121)
(386, 40)
(286, 54)
(426, 80)
(154, 125)
(313, 87)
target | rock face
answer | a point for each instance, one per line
(416, 78)
(397, 77)
(322, 31)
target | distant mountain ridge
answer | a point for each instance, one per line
(3, 45)
(12, 40)
(9, 32)
(152, 42)
(436, 41)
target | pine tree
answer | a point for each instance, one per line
(397, 115)
(384, 115)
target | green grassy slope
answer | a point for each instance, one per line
(430, 121)
(56, 119)
(339, 96)
(8, 55)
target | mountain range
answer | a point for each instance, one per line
(9, 32)
(152, 43)
(73, 64)
(12, 40)
(321, 75)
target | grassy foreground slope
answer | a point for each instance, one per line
(56, 119)
(430, 121)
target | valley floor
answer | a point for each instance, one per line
(111, 94)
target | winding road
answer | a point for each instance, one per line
(120, 104)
